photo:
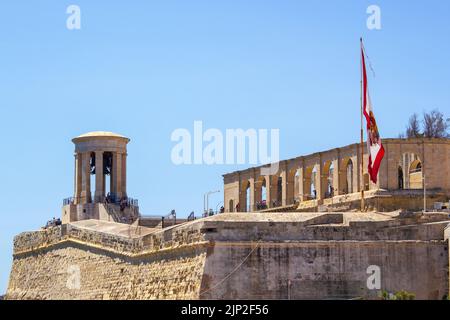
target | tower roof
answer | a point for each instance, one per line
(99, 134)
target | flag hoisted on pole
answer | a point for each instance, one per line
(375, 148)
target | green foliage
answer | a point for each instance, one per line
(399, 295)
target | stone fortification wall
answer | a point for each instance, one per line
(236, 256)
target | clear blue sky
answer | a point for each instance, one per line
(145, 68)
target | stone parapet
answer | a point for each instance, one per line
(130, 239)
(136, 240)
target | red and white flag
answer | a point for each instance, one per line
(374, 146)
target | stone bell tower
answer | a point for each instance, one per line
(100, 188)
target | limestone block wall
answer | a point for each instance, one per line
(27, 241)
(74, 271)
(231, 196)
(389, 201)
(324, 270)
(403, 230)
(323, 256)
(162, 265)
(132, 243)
(433, 153)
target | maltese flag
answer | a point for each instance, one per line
(374, 146)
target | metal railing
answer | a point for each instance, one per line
(67, 201)
(191, 216)
(110, 198)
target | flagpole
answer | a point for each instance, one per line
(362, 134)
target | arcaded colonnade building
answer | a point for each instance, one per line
(100, 180)
(332, 180)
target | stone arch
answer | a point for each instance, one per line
(411, 166)
(314, 182)
(264, 189)
(348, 181)
(308, 182)
(327, 179)
(415, 175)
(260, 194)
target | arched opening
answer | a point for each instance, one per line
(107, 170)
(92, 175)
(401, 182)
(349, 188)
(264, 192)
(260, 194)
(248, 207)
(313, 185)
(327, 179)
(296, 186)
(415, 175)
(310, 183)
(411, 167)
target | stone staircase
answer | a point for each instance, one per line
(127, 215)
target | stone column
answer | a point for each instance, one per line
(112, 179)
(243, 200)
(124, 174)
(78, 171)
(257, 194)
(323, 183)
(290, 187)
(117, 176)
(359, 178)
(318, 182)
(343, 178)
(301, 184)
(336, 176)
(99, 177)
(356, 174)
(307, 175)
(75, 177)
(104, 185)
(85, 178)
(269, 191)
(284, 185)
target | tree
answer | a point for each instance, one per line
(434, 125)
(413, 128)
